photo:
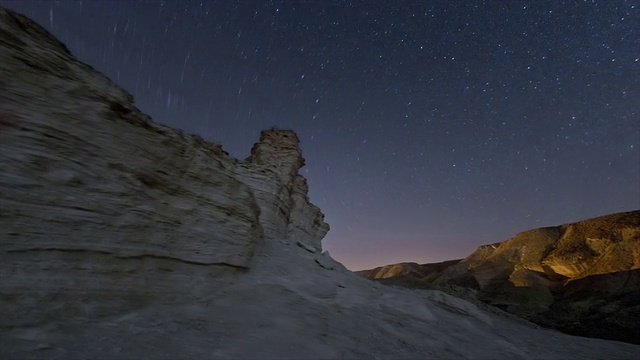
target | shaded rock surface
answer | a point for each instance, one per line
(92, 190)
(581, 278)
(122, 238)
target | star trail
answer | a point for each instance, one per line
(428, 127)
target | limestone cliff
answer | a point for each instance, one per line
(93, 193)
(121, 238)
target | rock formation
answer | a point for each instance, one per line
(581, 278)
(123, 238)
(80, 160)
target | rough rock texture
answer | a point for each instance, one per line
(281, 193)
(124, 239)
(98, 199)
(581, 278)
(605, 306)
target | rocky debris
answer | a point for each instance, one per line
(122, 238)
(580, 278)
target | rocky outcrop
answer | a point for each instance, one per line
(548, 257)
(97, 201)
(286, 210)
(124, 239)
(576, 277)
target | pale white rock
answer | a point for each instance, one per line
(122, 238)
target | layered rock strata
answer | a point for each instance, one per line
(125, 239)
(580, 277)
(97, 201)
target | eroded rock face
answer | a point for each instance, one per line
(596, 246)
(98, 202)
(280, 191)
(555, 276)
(124, 239)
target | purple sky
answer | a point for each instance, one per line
(429, 128)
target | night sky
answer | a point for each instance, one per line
(428, 128)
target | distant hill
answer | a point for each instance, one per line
(581, 278)
(405, 269)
